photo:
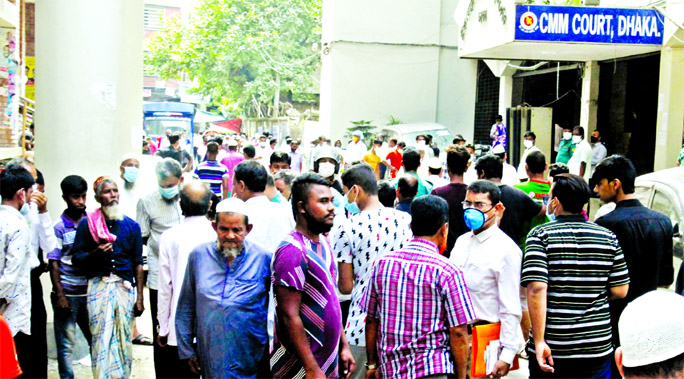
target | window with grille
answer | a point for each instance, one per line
(154, 17)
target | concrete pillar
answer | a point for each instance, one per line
(589, 101)
(670, 122)
(89, 71)
(505, 93)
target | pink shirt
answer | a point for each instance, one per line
(232, 159)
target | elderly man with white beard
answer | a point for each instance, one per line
(223, 301)
(108, 248)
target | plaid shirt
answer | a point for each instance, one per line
(417, 295)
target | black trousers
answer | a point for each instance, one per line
(166, 362)
(32, 350)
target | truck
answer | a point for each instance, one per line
(160, 117)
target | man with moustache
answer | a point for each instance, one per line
(308, 331)
(69, 284)
(108, 248)
(223, 301)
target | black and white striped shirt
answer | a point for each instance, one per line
(580, 261)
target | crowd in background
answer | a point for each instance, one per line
(268, 260)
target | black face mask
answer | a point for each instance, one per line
(594, 139)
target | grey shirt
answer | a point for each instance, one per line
(155, 215)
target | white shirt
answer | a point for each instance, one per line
(355, 152)
(15, 270)
(41, 234)
(437, 181)
(128, 198)
(491, 263)
(175, 247)
(359, 241)
(271, 221)
(263, 155)
(582, 153)
(598, 153)
(510, 175)
(522, 173)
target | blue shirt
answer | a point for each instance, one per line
(225, 308)
(122, 261)
(74, 283)
(212, 173)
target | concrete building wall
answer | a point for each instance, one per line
(391, 60)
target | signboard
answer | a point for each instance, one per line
(588, 25)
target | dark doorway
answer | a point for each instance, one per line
(627, 108)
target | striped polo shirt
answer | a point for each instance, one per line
(580, 261)
(212, 173)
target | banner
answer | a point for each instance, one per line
(588, 25)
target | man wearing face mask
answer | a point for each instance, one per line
(356, 149)
(157, 212)
(566, 147)
(41, 241)
(263, 151)
(530, 140)
(327, 164)
(368, 234)
(15, 257)
(598, 150)
(490, 261)
(580, 163)
(128, 195)
(426, 336)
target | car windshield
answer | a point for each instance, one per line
(441, 136)
(158, 126)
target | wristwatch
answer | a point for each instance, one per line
(370, 366)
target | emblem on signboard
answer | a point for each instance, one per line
(528, 22)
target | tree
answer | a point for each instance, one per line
(242, 53)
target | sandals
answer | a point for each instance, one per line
(142, 340)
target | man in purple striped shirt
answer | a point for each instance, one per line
(418, 304)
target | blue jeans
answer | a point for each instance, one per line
(65, 330)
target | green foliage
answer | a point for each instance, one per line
(241, 52)
(393, 121)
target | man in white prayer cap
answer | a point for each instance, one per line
(224, 300)
(652, 337)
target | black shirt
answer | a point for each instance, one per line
(122, 261)
(646, 240)
(520, 209)
(454, 194)
(181, 156)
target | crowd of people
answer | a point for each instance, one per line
(267, 261)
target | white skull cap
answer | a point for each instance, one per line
(652, 328)
(232, 205)
(498, 149)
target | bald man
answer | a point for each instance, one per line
(407, 189)
(174, 248)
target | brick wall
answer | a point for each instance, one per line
(30, 24)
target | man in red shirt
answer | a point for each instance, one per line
(393, 160)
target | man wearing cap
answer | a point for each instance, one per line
(223, 299)
(435, 171)
(652, 337)
(263, 151)
(510, 175)
(230, 160)
(356, 149)
(128, 194)
(108, 248)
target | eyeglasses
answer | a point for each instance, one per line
(477, 205)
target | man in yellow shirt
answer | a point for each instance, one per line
(373, 159)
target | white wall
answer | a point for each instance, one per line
(385, 59)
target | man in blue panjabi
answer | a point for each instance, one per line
(224, 300)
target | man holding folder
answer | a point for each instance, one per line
(490, 261)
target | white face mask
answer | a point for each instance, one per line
(262, 144)
(576, 139)
(528, 143)
(567, 135)
(326, 169)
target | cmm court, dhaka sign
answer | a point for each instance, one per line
(588, 25)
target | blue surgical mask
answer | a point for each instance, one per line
(168, 193)
(25, 209)
(351, 207)
(131, 174)
(474, 218)
(550, 215)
